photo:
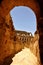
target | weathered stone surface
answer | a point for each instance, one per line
(9, 43)
(7, 5)
(32, 45)
(6, 42)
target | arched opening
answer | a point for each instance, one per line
(24, 19)
(30, 3)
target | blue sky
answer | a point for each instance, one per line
(23, 19)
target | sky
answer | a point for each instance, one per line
(23, 19)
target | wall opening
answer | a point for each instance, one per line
(23, 19)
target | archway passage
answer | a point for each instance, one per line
(14, 13)
(29, 3)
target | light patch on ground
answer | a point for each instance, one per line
(25, 57)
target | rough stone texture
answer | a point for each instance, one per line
(9, 44)
(6, 38)
(35, 5)
(32, 42)
(24, 37)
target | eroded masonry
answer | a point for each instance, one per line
(9, 43)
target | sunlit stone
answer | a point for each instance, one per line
(25, 57)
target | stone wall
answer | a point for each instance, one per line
(31, 42)
(10, 43)
(6, 38)
(5, 7)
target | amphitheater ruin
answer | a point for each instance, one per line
(9, 42)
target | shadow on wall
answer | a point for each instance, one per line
(0, 1)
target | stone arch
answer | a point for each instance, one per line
(7, 5)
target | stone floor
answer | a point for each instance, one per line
(25, 57)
